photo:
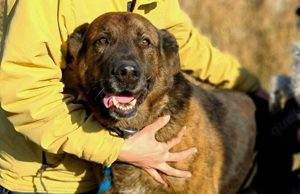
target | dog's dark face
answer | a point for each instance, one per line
(119, 60)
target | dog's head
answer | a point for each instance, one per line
(119, 60)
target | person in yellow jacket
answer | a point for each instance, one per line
(36, 117)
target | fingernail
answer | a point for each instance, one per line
(189, 175)
(166, 117)
(195, 150)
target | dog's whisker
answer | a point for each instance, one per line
(99, 93)
(149, 77)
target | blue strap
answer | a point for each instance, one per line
(106, 183)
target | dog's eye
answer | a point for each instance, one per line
(145, 43)
(101, 41)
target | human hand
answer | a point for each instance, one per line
(144, 151)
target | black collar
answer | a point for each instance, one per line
(124, 133)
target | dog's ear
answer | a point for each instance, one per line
(170, 50)
(75, 42)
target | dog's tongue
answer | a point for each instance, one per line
(108, 100)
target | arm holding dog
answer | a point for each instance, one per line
(31, 92)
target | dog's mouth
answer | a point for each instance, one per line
(121, 103)
(121, 100)
(124, 104)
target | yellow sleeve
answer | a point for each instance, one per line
(31, 88)
(202, 59)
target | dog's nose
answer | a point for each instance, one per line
(127, 72)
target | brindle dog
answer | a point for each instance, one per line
(127, 72)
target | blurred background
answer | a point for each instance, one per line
(258, 32)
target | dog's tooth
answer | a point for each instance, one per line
(133, 102)
(129, 107)
(115, 102)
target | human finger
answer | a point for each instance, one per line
(158, 124)
(176, 140)
(152, 172)
(179, 156)
(168, 170)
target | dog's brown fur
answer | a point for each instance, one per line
(220, 124)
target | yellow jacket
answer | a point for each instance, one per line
(40, 117)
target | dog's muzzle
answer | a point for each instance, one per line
(124, 88)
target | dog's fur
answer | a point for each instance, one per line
(220, 124)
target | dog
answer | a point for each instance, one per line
(284, 140)
(285, 87)
(127, 73)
